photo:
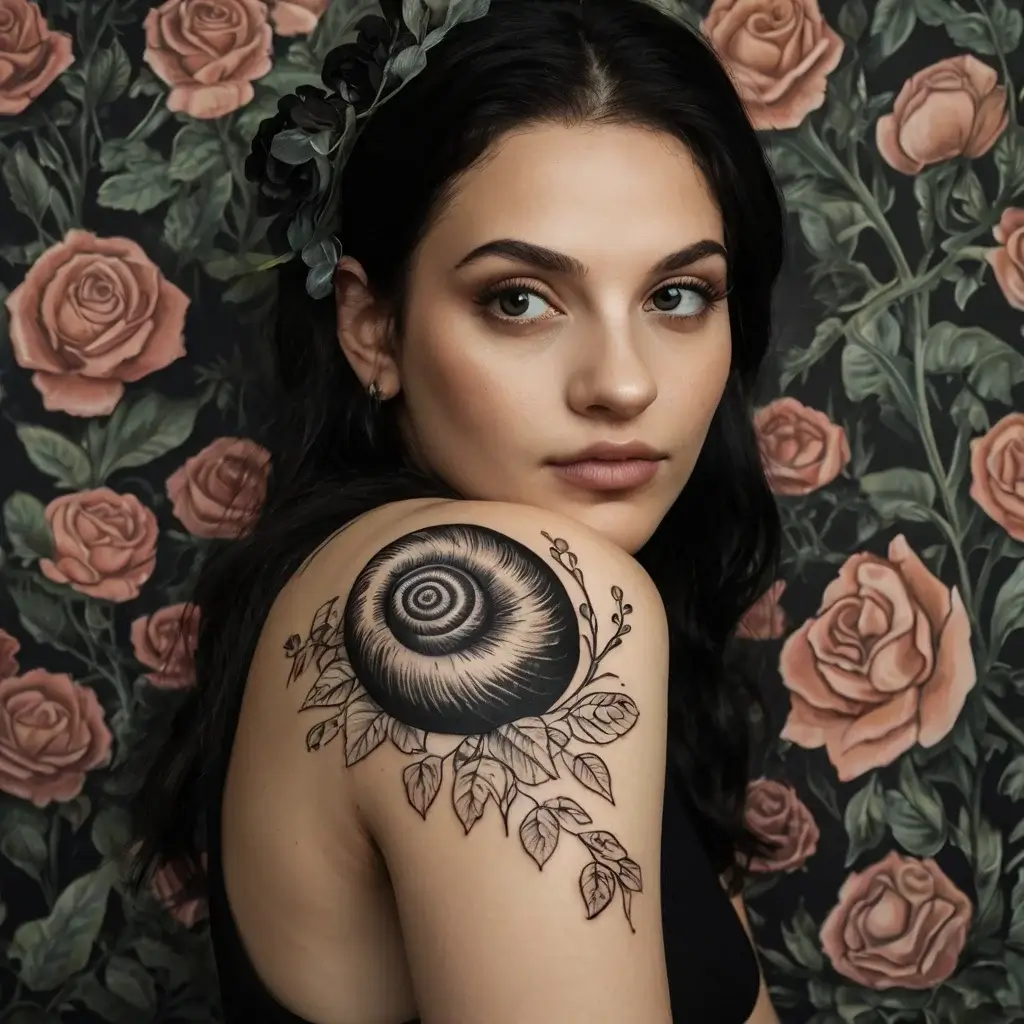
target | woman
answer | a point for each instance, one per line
(517, 511)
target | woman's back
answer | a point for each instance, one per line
(478, 933)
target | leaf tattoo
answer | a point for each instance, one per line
(462, 638)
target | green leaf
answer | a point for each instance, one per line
(214, 199)
(143, 430)
(108, 74)
(1009, 159)
(181, 225)
(42, 614)
(988, 869)
(801, 939)
(864, 819)
(823, 790)
(137, 191)
(23, 839)
(993, 367)
(1016, 932)
(1011, 782)
(900, 495)
(872, 364)
(796, 362)
(967, 410)
(933, 189)
(56, 455)
(196, 150)
(27, 184)
(111, 831)
(916, 814)
(54, 948)
(129, 980)
(26, 527)
(133, 154)
(1008, 610)
(891, 25)
(18, 254)
(853, 19)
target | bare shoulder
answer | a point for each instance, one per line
(493, 680)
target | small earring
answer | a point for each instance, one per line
(374, 392)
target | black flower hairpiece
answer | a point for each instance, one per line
(298, 155)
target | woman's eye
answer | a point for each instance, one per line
(679, 300)
(520, 304)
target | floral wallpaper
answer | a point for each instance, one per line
(132, 327)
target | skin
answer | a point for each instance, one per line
(615, 349)
(485, 402)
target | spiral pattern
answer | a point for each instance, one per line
(460, 629)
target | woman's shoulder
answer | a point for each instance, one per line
(491, 680)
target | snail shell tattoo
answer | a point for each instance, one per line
(459, 629)
(460, 646)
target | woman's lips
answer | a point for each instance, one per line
(608, 474)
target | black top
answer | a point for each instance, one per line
(712, 970)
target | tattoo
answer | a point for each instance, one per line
(459, 631)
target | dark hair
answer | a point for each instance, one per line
(334, 457)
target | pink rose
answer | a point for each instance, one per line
(91, 314)
(9, 647)
(900, 923)
(885, 664)
(777, 815)
(52, 731)
(779, 52)
(218, 492)
(168, 888)
(1007, 262)
(296, 17)
(104, 543)
(166, 642)
(31, 55)
(997, 473)
(802, 449)
(765, 619)
(952, 108)
(209, 52)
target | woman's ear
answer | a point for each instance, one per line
(364, 330)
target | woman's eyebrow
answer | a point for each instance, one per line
(559, 263)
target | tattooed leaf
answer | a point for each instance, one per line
(603, 844)
(602, 717)
(422, 783)
(475, 783)
(539, 834)
(627, 906)
(593, 773)
(366, 728)
(322, 734)
(325, 622)
(597, 886)
(558, 736)
(568, 811)
(333, 687)
(466, 751)
(523, 746)
(407, 739)
(292, 645)
(630, 875)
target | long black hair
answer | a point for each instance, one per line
(335, 456)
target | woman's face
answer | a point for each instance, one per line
(567, 338)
